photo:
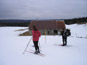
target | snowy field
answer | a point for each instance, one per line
(12, 47)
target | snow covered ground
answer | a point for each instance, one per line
(12, 47)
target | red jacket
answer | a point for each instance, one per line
(36, 35)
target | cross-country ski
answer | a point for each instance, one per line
(39, 54)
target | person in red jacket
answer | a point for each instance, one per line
(36, 34)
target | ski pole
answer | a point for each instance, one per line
(27, 45)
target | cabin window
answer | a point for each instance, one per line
(55, 31)
(48, 32)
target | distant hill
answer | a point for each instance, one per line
(25, 23)
(14, 22)
(76, 20)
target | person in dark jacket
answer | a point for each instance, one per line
(36, 34)
(64, 37)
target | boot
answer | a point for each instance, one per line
(36, 52)
(63, 45)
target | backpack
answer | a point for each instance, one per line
(68, 33)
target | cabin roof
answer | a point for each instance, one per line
(47, 24)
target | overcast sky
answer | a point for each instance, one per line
(42, 9)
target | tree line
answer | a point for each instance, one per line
(23, 23)
(26, 23)
(76, 20)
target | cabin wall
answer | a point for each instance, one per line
(48, 32)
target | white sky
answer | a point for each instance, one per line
(42, 9)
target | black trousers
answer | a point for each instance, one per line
(64, 40)
(36, 45)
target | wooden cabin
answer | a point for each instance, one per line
(48, 27)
